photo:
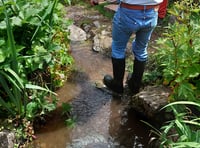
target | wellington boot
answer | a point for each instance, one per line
(115, 83)
(134, 82)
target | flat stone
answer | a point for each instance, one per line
(76, 33)
(149, 102)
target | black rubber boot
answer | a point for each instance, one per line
(134, 81)
(115, 83)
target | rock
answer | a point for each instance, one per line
(97, 24)
(102, 43)
(7, 139)
(149, 102)
(76, 33)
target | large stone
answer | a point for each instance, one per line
(102, 40)
(7, 139)
(76, 33)
(102, 43)
(149, 102)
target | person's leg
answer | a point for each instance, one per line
(120, 38)
(139, 48)
(140, 43)
(115, 83)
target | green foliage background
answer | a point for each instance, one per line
(178, 52)
(178, 67)
(34, 59)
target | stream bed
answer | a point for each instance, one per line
(102, 121)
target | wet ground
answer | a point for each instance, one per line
(102, 121)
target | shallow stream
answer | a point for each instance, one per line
(102, 121)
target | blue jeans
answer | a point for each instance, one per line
(125, 23)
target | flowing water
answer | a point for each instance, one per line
(102, 121)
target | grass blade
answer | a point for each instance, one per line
(181, 102)
(2, 102)
(31, 86)
(11, 42)
(49, 9)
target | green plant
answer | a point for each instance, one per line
(39, 43)
(185, 128)
(33, 39)
(179, 52)
(101, 8)
(61, 61)
(66, 109)
(183, 131)
(69, 2)
(152, 74)
(9, 78)
(40, 103)
(70, 121)
(178, 60)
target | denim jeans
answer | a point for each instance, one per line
(125, 23)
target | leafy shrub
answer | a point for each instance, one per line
(33, 42)
(183, 131)
(178, 52)
(178, 58)
(39, 42)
